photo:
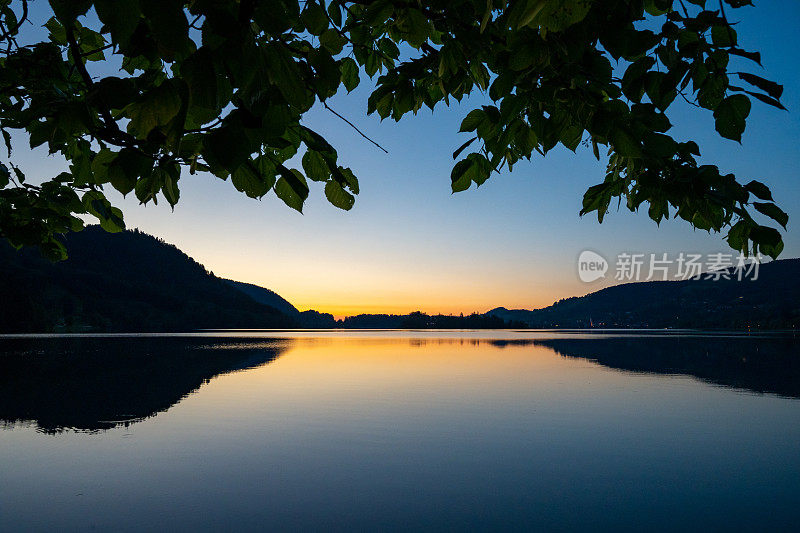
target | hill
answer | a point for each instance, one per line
(265, 296)
(772, 301)
(127, 281)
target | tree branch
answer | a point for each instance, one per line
(77, 59)
(11, 31)
(117, 136)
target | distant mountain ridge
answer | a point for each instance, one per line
(772, 301)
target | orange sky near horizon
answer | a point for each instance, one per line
(351, 289)
(441, 303)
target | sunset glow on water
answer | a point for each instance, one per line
(398, 429)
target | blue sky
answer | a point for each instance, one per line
(410, 244)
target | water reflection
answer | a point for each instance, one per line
(762, 365)
(91, 384)
(387, 433)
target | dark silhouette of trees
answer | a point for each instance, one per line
(223, 86)
(420, 320)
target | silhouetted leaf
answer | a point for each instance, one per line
(121, 18)
(349, 70)
(156, 108)
(772, 211)
(624, 144)
(730, 116)
(770, 87)
(315, 166)
(463, 147)
(759, 190)
(291, 188)
(473, 119)
(314, 17)
(723, 35)
(338, 196)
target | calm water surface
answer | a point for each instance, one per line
(398, 430)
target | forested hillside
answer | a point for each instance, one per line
(127, 281)
(772, 301)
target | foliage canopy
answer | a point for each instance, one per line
(222, 86)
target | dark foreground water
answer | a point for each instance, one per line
(400, 430)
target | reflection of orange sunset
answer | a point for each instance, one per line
(359, 371)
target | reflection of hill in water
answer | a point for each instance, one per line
(763, 365)
(91, 384)
(94, 384)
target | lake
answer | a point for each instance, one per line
(399, 430)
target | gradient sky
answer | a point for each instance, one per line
(410, 244)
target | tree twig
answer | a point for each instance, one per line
(354, 127)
